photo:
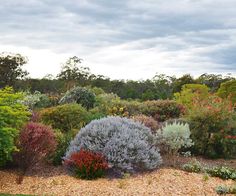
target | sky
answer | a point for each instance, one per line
(125, 39)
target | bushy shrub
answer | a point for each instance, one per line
(175, 136)
(228, 89)
(213, 127)
(193, 166)
(190, 92)
(223, 189)
(36, 100)
(87, 165)
(126, 144)
(63, 141)
(147, 121)
(79, 95)
(36, 141)
(13, 115)
(161, 110)
(222, 172)
(112, 105)
(65, 117)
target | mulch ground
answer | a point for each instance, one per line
(164, 181)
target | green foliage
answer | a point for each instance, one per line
(213, 127)
(190, 92)
(222, 190)
(72, 74)
(10, 68)
(175, 136)
(63, 141)
(161, 110)
(13, 115)
(65, 117)
(36, 100)
(228, 89)
(222, 172)
(193, 166)
(185, 79)
(79, 95)
(217, 171)
(111, 104)
(213, 81)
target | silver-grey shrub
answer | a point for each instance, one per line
(79, 95)
(174, 136)
(127, 145)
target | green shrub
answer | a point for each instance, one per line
(79, 95)
(222, 190)
(63, 141)
(228, 89)
(213, 127)
(36, 100)
(13, 115)
(190, 92)
(193, 166)
(175, 136)
(111, 104)
(65, 117)
(161, 110)
(222, 172)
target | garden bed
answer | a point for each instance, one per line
(165, 181)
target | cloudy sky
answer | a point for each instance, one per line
(125, 39)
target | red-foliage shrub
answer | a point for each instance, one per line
(148, 121)
(36, 141)
(87, 165)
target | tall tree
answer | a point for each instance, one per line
(11, 68)
(72, 73)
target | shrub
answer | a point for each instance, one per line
(161, 110)
(147, 121)
(126, 144)
(65, 117)
(63, 141)
(175, 136)
(36, 100)
(213, 127)
(193, 166)
(222, 190)
(112, 105)
(13, 115)
(87, 165)
(228, 89)
(222, 172)
(36, 141)
(79, 95)
(191, 91)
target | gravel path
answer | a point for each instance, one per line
(54, 181)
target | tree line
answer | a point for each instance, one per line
(72, 74)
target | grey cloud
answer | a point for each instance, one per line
(194, 33)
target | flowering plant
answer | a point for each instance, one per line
(87, 164)
(213, 125)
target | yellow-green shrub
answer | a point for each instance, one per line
(65, 117)
(13, 115)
